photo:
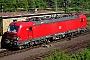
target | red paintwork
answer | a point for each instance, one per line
(23, 33)
(59, 27)
(48, 28)
(73, 24)
(84, 23)
(42, 30)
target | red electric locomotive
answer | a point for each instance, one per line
(23, 34)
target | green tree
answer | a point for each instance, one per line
(23, 4)
(40, 4)
(79, 5)
(13, 5)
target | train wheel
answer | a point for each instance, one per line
(51, 39)
(72, 35)
(69, 36)
(20, 47)
(47, 41)
(66, 35)
(28, 45)
(32, 43)
(81, 32)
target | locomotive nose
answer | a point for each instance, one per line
(12, 35)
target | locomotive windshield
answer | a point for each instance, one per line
(13, 28)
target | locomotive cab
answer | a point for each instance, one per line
(83, 20)
(19, 34)
(83, 23)
(12, 32)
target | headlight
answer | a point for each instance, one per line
(18, 38)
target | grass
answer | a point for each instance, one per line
(88, 18)
(84, 55)
(89, 24)
(61, 55)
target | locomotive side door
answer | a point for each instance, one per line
(30, 33)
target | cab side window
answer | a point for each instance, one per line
(30, 29)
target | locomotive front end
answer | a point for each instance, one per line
(18, 34)
(12, 36)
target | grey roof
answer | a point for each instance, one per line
(55, 20)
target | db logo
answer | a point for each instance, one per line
(60, 27)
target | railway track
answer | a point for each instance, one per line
(10, 52)
(39, 56)
(69, 49)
